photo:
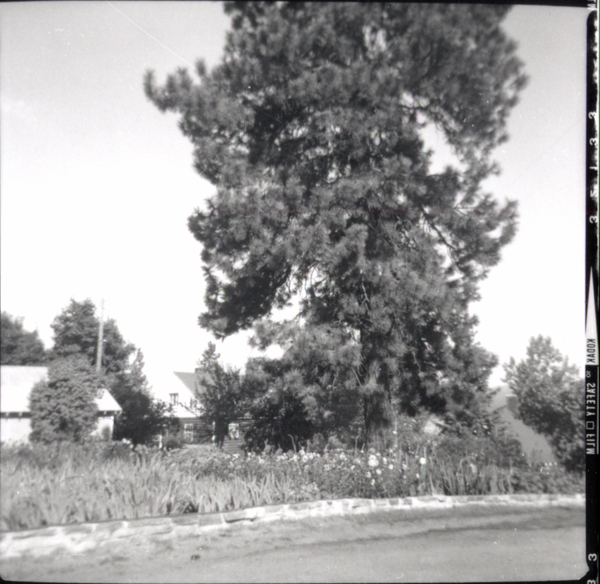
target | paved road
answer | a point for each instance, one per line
(477, 545)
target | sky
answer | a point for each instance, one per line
(96, 184)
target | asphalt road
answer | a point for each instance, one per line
(465, 545)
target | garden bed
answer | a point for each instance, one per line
(66, 483)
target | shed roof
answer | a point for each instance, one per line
(17, 381)
(107, 403)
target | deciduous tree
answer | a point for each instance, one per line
(311, 129)
(18, 346)
(76, 333)
(549, 396)
(219, 393)
(142, 417)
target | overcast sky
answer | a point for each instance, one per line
(97, 184)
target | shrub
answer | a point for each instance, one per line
(278, 419)
(63, 408)
(141, 419)
(173, 441)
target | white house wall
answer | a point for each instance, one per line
(13, 430)
(17, 430)
(104, 422)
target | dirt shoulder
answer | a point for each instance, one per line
(468, 544)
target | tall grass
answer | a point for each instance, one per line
(79, 490)
(53, 485)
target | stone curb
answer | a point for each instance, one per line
(77, 538)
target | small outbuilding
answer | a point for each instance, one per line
(16, 383)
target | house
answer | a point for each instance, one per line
(16, 384)
(180, 389)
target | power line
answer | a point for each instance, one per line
(146, 32)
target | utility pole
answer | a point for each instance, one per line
(100, 340)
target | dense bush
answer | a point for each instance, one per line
(142, 418)
(63, 407)
(173, 441)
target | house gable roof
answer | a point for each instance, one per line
(188, 379)
(107, 403)
(17, 381)
(182, 383)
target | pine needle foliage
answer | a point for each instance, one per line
(311, 129)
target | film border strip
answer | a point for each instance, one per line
(592, 247)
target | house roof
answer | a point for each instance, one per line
(17, 381)
(15, 384)
(107, 403)
(188, 379)
(165, 383)
(182, 383)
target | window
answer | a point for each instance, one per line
(174, 399)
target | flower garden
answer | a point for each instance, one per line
(68, 483)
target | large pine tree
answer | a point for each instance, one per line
(311, 131)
